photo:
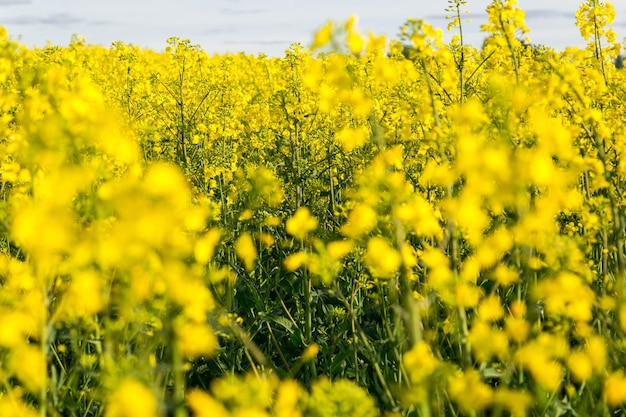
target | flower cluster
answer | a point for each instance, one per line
(408, 227)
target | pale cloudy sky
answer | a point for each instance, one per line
(255, 26)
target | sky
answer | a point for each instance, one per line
(263, 26)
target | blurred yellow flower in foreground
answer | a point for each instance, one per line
(246, 250)
(420, 362)
(301, 223)
(203, 405)
(12, 405)
(310, 352)
(469, 391)
(205, 246)
(195, 339)
(29, 365)
(382, 260)
(83, 298)
(131, 399)
(361, 220)
(323, 36)
(615, 388)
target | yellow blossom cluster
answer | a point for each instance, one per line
(363, 227)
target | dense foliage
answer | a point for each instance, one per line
(372, 227)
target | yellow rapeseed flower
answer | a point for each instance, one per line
(469, 391)
(487, 342)
(322, 36)
(516, 402)
(549, 374)
(350, 23)
(580, 366)
(287, 397)
(351, 138)
(165, 180)
(490, 309)
(518, 308)
(10, 403)
(419, 217)
(505, 275)
(615, 388)
(517, 329)
(246, 250)
(420, 362)
(467, 294)
(295, 261)
(13, 327)
(195, 339)
(310, 352)
(203, 405)
(355, 42)
(205, 246)
(566, 294)
(382, 260)
(131, 398)
(537, 359)
(339, 248)
(28, 363)
(596, 350)
(301, 223)
(83, 298)
(266, 239)
(361, 220)
(43, 230)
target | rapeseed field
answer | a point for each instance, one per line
(362, 227)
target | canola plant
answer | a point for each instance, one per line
(364, 227)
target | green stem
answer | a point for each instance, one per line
(368, 347)
(461, 65)
(511, 49)
(410, 311)
(47, 335)
(468, 349)
(179, 382)
(43, 403)
(308, 328)
(425, 406)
